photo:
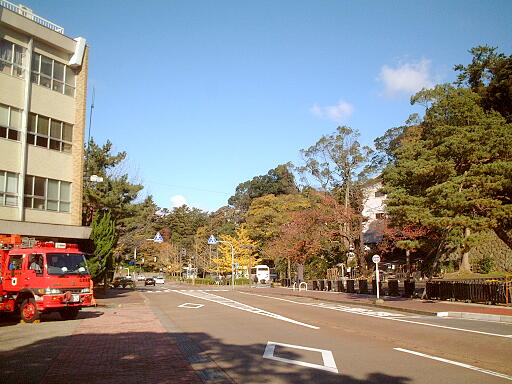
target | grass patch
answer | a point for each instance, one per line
(461, 275)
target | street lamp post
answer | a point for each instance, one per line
(212, 241)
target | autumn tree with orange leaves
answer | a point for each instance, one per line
(323, 231)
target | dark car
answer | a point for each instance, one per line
(123, 281)
(149, 281)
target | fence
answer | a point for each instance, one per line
(26, 12)
(362, 286)
(497, 291)
(478, 291)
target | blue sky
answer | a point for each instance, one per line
(204, 95)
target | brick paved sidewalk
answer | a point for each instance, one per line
(125, 344)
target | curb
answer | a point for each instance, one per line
(462, 315)
(363, 304)
(476, 316)
(205, 368)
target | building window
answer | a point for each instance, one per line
(10, 122)
(47, 194)
(8, 188)
(11, 58)
(53, 74)
(49, 133)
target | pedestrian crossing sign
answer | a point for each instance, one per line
(158, 238)
(212, 240)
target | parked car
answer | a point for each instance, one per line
(123, 281)
(141, 277)
(149, 281)
(159, 280)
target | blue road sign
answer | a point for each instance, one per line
(158, 238)
(212, 240)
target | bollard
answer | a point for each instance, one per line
(363, 286)
(393, 288)
(374, 287)
(409, 287)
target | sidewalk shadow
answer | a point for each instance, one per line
(112, 293)
(158, 358)
(10, 319)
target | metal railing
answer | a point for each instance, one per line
(27, 12)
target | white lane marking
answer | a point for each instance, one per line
(454, 328)
(327, 357)
(199, 290)
(463, 365)
(191, 305)
(244, 307)
(337, 307)
(394, 317)
(157, 291)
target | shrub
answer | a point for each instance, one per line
(484, 265)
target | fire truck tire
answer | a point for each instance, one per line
(28, 310)
(69, 313)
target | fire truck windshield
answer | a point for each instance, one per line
(66, 264)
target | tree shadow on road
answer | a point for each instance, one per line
(153, 357)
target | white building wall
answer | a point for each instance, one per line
(372, 206)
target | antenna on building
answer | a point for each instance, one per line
(89, 133)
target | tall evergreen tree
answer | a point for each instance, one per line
(490, 76)
(452, 172)
(277, 181)
(115, 192)
(104, 237)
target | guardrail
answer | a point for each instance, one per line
(27, 12)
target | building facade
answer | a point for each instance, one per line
(43, 87)
(374, 211)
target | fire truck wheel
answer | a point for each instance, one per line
(28, 310)
(69, 313)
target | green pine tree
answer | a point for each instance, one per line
(104, 237)
(451, 173)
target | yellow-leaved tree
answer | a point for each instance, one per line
(244, 247)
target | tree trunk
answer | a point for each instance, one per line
(435, 261)
(105, 278)
(464, 264)
(408, 262)
(300, 272)
(504, 236)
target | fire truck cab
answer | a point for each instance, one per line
(44, 278)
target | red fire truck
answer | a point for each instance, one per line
(43, 278)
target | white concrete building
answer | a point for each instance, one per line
(374, 211)
(43, 86)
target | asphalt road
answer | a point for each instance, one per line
(258, 338)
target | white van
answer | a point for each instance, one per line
(260, 274)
